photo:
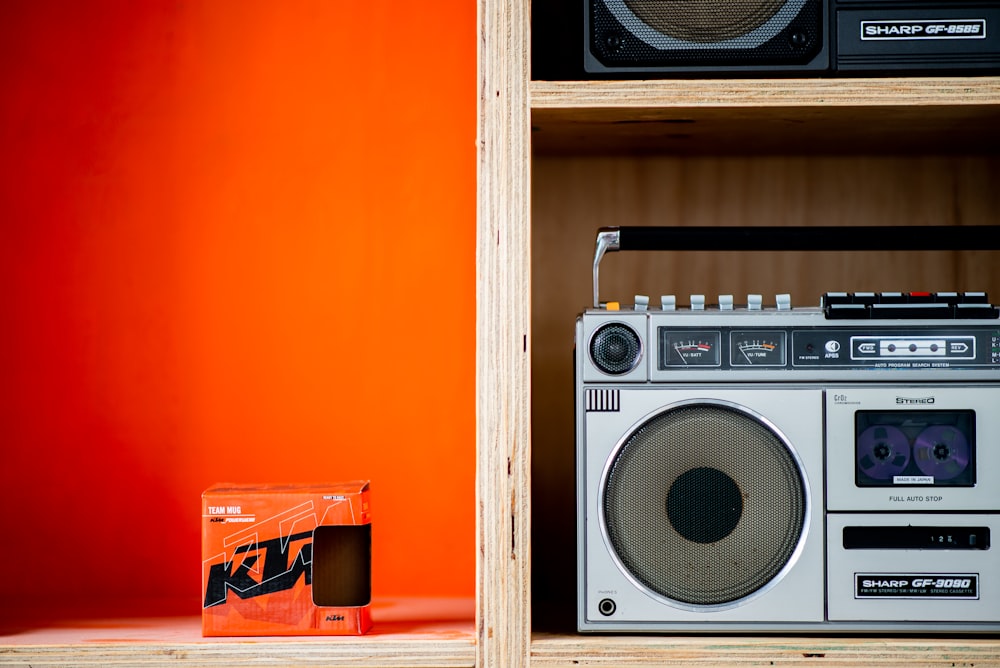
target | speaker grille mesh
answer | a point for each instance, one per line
(711, 34)
(615, 349)
(704, 504)
(705, 20)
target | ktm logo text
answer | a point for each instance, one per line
(268, 566)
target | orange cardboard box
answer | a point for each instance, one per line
(286, 560)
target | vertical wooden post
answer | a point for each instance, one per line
(503, 348)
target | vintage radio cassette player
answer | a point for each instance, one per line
(750, 465)
(674, 37)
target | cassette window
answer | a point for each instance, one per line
(915, 448)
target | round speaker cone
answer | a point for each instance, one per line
(704, 504)
(615, 349)
(705, 20)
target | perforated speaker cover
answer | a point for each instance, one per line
(764, 34)
(705, 20)
(615, 348)
(704, 504)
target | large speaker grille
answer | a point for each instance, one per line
(704, 504)
(705, 20)
(712, 34)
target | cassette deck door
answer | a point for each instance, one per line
(913, 448)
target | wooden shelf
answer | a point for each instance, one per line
(790, 93)
(557, 160)
(796, 152)
(554, 650)
(798, 116)
(444, 637)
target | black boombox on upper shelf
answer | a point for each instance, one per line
(854, 37)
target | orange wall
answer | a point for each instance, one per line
(238, 244)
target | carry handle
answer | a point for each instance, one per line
(823, 238)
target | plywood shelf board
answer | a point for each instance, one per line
(552, 650)
(503, 453)
(408, 631)
(788, 93)
(156, 641)
(875, 116)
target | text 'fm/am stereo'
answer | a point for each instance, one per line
(647, 37)
(754, 466)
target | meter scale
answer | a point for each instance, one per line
(757, 348)
(686, 348)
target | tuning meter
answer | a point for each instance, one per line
(757, 348)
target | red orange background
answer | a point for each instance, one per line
(238, 245)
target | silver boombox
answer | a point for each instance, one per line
(758, 467)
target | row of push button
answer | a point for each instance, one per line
(908, 305)
(782, 302)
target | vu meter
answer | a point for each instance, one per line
(684, 348)
(757, 348)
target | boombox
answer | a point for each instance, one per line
(647, 37)
(756, 466)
